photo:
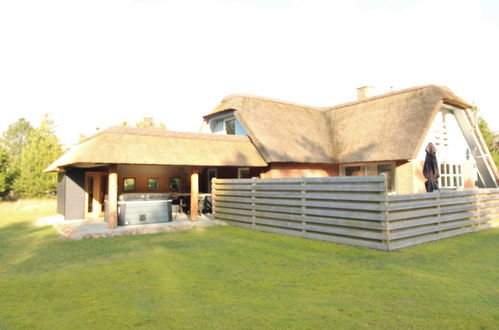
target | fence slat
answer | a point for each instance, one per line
(402, 224)
(317, 236)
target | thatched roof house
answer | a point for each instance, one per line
(267, 138)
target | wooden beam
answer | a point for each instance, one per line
(112, 196)
(194, 193)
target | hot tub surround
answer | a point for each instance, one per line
(143, 208)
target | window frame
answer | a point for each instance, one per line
(448, 178)
(157, 184)
(134, 184)
(174, 181)
(231, 118)
(366, 165)
(344, 169)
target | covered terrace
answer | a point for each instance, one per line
(121, 160)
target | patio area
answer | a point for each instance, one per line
(98, 228)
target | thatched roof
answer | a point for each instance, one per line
(282, 131)
(385, 127)
(125, 145)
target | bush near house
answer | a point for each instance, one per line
(226, 277)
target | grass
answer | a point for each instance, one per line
(226, 277)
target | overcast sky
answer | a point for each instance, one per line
(98, 63)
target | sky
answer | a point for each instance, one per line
(94, 64)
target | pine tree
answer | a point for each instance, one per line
(13, 141)
(4, 171)
(42, 149)
(16, 137)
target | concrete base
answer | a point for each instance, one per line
(98, 228)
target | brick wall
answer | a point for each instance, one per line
(404, 178)
(297, 170)
(418, 185)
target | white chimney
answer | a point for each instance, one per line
(364, 92)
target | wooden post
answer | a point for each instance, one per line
(385, 222)
(194, 193)
(253, 199)
(302, 202)
(112, 197)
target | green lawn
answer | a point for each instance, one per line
(225, 277)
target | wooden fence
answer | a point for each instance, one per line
(352, 210)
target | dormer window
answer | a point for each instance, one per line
(227, 124)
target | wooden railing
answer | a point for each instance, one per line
(352, 210)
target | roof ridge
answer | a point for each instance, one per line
(166, 133)
(269, 99)
(380, 96)
(327, 108)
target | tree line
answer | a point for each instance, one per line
(26, 151)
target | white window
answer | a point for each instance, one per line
(227, 124)
(451, 176)
(372, 169)
(217, 125)
(243, 173)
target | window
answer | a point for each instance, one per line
(389, 172)
(243, 172)
(230, 126)
(129, 184)
(355, 170)
(175, 184)
(451, 176)
(373, 169)
(217, 125)
(152, 184)
(226, 124)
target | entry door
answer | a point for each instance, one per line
(95, 191)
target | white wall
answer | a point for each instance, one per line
(448, 139)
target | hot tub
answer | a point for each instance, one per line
(137, 208)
